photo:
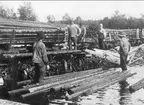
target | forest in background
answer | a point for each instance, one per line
(116, 21)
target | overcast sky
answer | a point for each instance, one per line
(85, 9)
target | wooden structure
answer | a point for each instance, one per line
(18, 32)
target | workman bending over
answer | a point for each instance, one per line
(40, 59)
(73, 32)
(82, 34)
(101, 36)
(124, 49)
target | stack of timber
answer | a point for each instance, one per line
(68, 86)
(21, 23)
(135, 55)
(105, 54)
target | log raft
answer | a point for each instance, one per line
(80, 86)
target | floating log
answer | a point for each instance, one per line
(102, 83)
(138, 85)
(84, 80)
(86, 84)
(57, 101)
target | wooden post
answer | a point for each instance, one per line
(14, 72)
(11, 38)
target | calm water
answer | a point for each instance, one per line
(118, 94)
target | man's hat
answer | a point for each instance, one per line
(122, 34)
(41, 35)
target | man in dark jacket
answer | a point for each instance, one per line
(40, 59)
(124, 49)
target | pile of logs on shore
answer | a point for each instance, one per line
(68, 86)
(135, 56)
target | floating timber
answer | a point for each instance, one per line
(138, 85)
(69, 86)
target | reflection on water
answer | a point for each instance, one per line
(117, 94)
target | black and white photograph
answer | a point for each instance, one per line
(71, 52)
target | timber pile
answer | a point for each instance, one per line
(54, 80)
(135, 56)
(68, 86)
(22, 23)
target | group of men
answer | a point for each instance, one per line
(40, 59)
(76, 33)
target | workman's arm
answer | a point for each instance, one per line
(44, 55)
(104, 33)
(79, 30)
(84, 32)
(121, 46)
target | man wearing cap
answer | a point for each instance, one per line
(73, 32)
(40, 59)
(83, 33)
(101, 36)
(124, 49)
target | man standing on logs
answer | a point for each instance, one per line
(124, 49)
(101, 36)
(73, 32)
(83, 33)
(40, 59)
